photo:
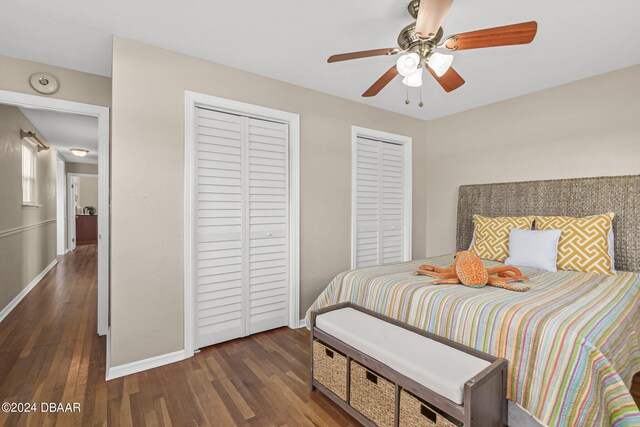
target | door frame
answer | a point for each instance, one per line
(61, 205)
(192, 100)
(407, 142)
(71, 206)
(102, 114)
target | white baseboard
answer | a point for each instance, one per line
(145, 364)
(23, 293)
(302, 323)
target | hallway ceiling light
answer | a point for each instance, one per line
(79, 152)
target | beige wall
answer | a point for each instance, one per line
(27, 234)
(587, 128)
(88, 192)
(147, 219)
(74, 85)
(81, 168)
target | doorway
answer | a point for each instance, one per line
(101, 114)
(82, 205)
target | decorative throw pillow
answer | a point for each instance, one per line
(491, 235)
(584, 242)
(534, 248)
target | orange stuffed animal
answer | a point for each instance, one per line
(468, 270)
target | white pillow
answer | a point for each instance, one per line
(612, 252)
(534, 248)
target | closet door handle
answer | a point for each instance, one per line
(269, 234)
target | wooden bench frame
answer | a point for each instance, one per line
(485, 402)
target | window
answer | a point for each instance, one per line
(28, 174)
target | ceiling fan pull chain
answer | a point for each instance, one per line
(407, 100)
(421, 104)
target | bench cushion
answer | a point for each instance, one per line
(436, 366)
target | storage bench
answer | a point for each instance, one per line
(386, 373)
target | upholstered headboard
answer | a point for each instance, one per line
(571, 197)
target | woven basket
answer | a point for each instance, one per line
(416, 413)
(372, 395)
(330, 369)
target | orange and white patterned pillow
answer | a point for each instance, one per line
(491, 235)
(584, 242)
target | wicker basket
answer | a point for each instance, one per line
(416, 413)
(330, 369)
(372, 395)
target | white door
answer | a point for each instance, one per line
(72, 200)
(241, 192)
(267, 217)
(379, 203)
(392, 175)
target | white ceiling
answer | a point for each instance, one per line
(66, 130)
(290, 40)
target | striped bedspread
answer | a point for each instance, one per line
(572, 341)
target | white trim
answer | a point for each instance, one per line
(145, 364)
(16, 230)
(61, 197)
(102, 114)
(193, 100)
(23, 293)
(407, 141)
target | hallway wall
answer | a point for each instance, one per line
(27, 234)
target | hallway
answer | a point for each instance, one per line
(49, 349)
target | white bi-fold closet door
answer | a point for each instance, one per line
(379, 235)
(241, 226)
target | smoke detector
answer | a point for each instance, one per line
(44, 83)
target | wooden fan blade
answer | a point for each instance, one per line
(500, 36)
(362, 54)
(431, 13)
(381, 82)
(450, 80)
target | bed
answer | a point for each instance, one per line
(572, 341)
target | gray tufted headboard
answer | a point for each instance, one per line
(571, 197)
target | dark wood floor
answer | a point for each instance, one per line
(49, 352)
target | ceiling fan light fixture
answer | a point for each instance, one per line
(414, 80)
(79, 152)
(408, 64)
(440, 63)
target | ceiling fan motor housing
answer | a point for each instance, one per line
(408, 40)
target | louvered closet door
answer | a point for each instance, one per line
(392, 202)
(267, 218)
(367, 234)
(219, 251)
(242, 223)
(379, 217)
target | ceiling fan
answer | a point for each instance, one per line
(419, 41)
